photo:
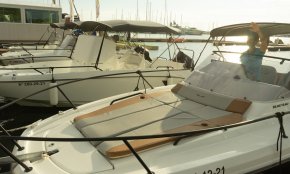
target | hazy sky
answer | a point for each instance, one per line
(203, 14)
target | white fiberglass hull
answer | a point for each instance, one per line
(83, 91)
(236, 150)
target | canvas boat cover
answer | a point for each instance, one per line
(127, 26)
(269, 29)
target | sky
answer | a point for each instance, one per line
(202, 14)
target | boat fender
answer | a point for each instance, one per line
(170, 81)
(53, 94)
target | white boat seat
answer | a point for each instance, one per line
(283, 80)
(156, 113)
(212, 99)
(268, 74)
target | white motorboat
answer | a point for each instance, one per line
(57, 50)
(215, 121)
(92, 57)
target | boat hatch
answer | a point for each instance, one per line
(70, 153)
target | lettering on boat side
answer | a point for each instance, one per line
(280, 105)
(218, 170)
(15, 62)
(31, 83)
(202, 96)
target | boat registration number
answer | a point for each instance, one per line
(31, 83)
(218, 170)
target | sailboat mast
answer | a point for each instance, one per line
(71, 2)
(137, 15)
(146, 10)
(165, 13)
(97, 9)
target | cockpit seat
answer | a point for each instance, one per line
(268, 74)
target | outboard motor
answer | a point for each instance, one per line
(144, 51)
(181, 57)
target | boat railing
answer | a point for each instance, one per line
(282, 59)
(51, 69)
(126, 139)
(34, 58)
(138, 72)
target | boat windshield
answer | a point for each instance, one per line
(225, 74)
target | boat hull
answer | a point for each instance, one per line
(237, 150)
(86, 90)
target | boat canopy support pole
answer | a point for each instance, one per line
(27, 169)
(201, 52)
(138, 157)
